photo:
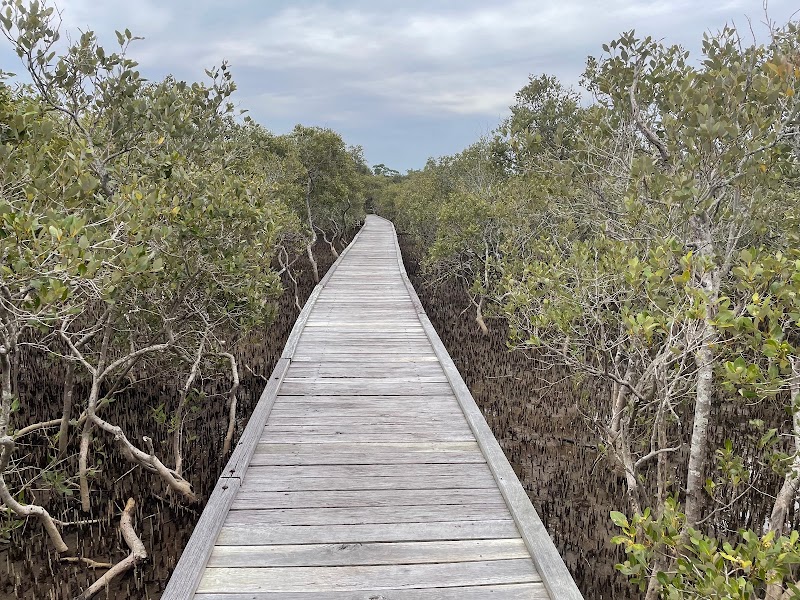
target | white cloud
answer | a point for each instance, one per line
(138, 15)
(351, 62)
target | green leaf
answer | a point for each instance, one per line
(619, 519)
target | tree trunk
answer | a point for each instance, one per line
(704, 389)
(788, 492)
(177, 440)
(619, 442)
(479, 317)
(312, 260)
(231, 403)
(63, 431)
(313, 239)
(653, 585)
(6, 392)
(88, 425)
(86, 440)
(704, 360)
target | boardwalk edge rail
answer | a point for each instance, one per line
(187, 574)
(555, 575)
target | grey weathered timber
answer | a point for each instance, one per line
(400, 553)
(366, 470)
(524, 591)
(424, 575)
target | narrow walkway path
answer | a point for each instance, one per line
(366, 472)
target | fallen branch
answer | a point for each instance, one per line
(148, 461)
(137, 556)
(26, 510)
(81, 523)
(254, 374)
(92, 564)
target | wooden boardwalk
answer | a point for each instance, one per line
(366, 471)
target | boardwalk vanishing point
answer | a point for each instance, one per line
(367, 471)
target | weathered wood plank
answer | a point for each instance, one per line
(265, 534)
(382, 371)
(394, 414)
(382, 458)
(293, 408)
(356, 429)
(331, 555)
(375, 338)
(362, 358)
(364, 498)
(377, 341)
(299, 406)
(478, 471)
(523, 591)
(430, 419)
(422, 513)
(366, 447)
(295, 579)
(405, 371)
(358, 422)
(369, 399)
(390, 324)
(349, 438)
(365, 387)
(362, 380)
(411, 482)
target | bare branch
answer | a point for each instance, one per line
(637, 115)
(231, 402)
(148, 460)
(137, 556)
(26, 510)
(655, 453)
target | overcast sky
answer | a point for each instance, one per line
(405, 80)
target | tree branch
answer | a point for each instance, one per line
(137, 556)
(26, 510)
(637, 116)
